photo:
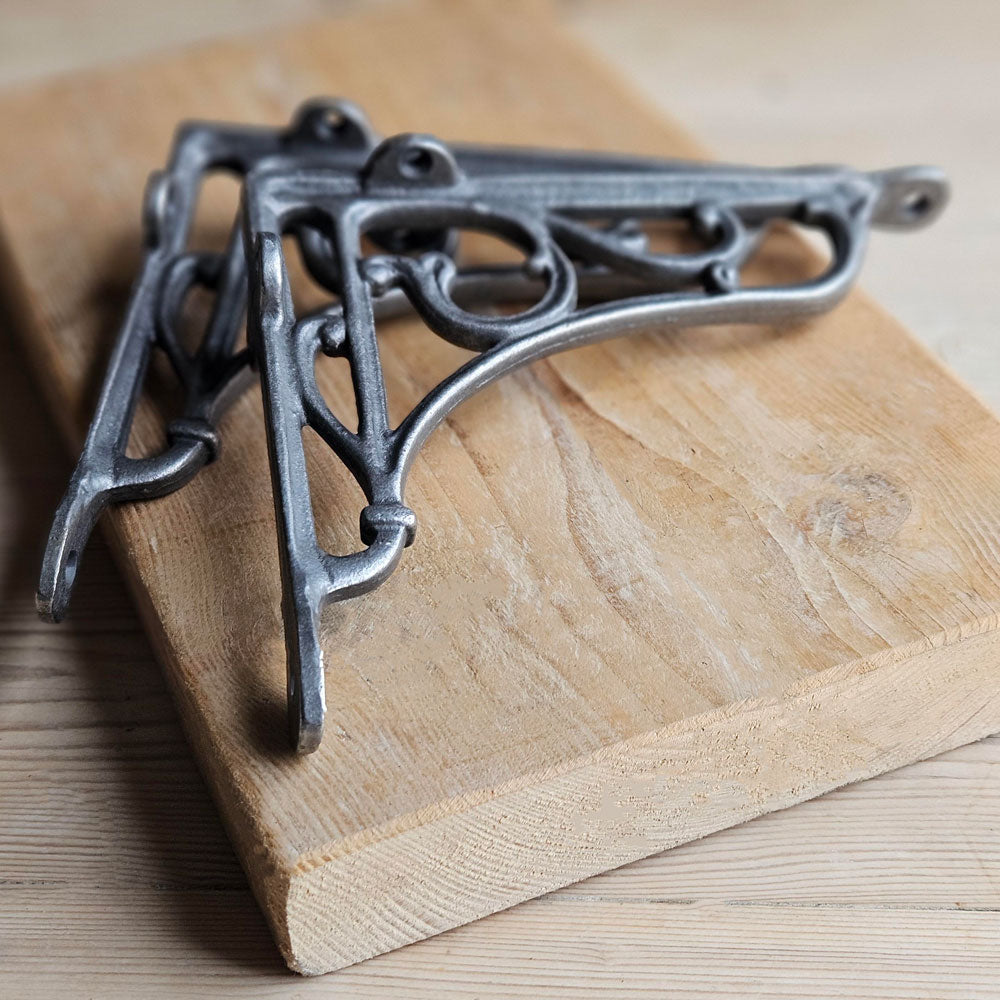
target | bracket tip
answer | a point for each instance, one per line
(71, 527)
(910, 197)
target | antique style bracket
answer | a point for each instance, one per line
(331, 132)
(589, 272)
(338, 132)
(566, 225)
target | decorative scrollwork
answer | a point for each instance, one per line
(414, 183)
(332, 130)
(589, 272)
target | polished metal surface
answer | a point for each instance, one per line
(589, 272)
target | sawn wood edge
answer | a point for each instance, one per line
(642, 795)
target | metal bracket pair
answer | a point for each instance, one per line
(588, 273)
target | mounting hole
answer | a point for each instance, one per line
(416, 163)
(330, 123)
(334, 119)
(915, 204)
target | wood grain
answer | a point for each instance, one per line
(853, 632)
(116, 879)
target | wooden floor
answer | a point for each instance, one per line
(116, 879)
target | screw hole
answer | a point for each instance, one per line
(914, 204)
(416, 162)
(330, 124)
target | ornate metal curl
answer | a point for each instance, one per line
(323, 180)
(331, 132)
(215, 373)
(415, 184)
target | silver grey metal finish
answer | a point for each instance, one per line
(589, 272)
(414, 183)
(333, 132)
(215, 373)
